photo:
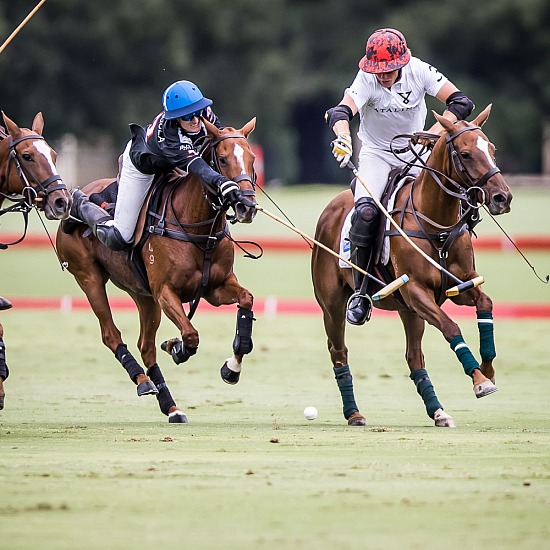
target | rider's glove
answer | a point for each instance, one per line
(232, 193)
(342, 149)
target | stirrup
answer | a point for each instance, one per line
(368, 308)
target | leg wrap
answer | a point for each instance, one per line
(344, 380)
(242, 343)
(127, 360)
(465, 356)
(4, 371)
(164, 397)
(426, 390)
(486, 336)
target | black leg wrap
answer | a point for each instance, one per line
(4, 371)
(164, 397)
(127, 360)
(242, 344)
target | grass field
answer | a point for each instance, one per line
(86, 464)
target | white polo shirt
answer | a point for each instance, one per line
(385, 113)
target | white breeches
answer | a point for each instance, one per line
(132, 190)
(374, 169)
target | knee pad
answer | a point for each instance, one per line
(242, 344)
(364, 222)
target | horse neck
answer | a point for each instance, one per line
(428, 196)
(190, 206)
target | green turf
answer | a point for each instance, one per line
(86, 464)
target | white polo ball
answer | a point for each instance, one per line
(310, 413)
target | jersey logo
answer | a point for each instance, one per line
(405, 96)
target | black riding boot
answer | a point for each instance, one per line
(94, 216)
(361, 236)
(4, 303)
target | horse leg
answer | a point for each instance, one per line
(414, 331)
(334, 308)
(484, 312)
(4, 371)
(232, 292)
(94, 288)
(180, 350)
(149, 321)
(424, 305)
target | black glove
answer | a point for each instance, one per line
(232, 192)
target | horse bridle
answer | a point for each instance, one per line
(44, 187)
(215, 163)
(459, 166)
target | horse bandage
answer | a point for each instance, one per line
(242, 344)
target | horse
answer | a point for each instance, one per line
(28, 178)
(438, 217)
(186, 254)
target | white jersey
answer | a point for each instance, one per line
(385, 113)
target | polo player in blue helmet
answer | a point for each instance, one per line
(170, 141)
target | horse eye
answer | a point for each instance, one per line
(222, 161)
(465, 155)
(27, 157)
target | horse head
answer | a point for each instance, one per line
(473, 165)
(233, 157)
(28, 168)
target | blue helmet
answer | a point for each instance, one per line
(182, 98)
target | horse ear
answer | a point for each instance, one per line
(12, 128)
(212, 130)
(447, 124)
(248, 127)
(38, 124)
(481, 119)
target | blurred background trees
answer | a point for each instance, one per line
(94, 67)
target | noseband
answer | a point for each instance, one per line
(44, 187)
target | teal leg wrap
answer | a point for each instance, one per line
(486, 336)
(345, 385)
(465, 356)
(425, 389)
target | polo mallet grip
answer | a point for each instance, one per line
(463, 287)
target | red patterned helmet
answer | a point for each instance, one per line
(386, 51)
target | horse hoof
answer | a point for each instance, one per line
(176, 348)
(357, 419)
(485, 388)
(177, 417)
(147, 388)
(229, 376)
(443, 420)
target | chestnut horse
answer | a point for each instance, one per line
(186, 253)
(460, 173)
(28, 177)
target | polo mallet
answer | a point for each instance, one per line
(21, 25)
(382, 293)
(462, 286)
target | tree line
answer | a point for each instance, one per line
(94, 67)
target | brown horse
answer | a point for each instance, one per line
(436, 211)
(28, 178)
(186, 254)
